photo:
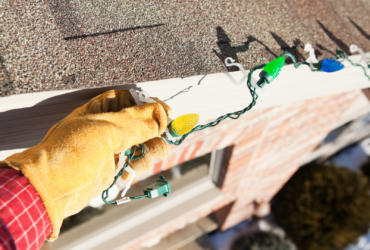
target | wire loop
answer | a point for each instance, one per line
(105, 193)
(143, 150)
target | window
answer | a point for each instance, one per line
(191, 186)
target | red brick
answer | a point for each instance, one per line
(236, 217)
(182, 157)
(297, 130)
(256, 129)
(197, 147)
(217, 143)
(170, 161)
(234, 176)
(232, 187)
(241, 159)
(157, 167)
(251, 140)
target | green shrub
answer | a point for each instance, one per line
(366, 169)
(324, 207)
(260, 241)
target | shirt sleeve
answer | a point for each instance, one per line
(24, 222)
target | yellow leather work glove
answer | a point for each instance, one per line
(154, 148)
(75, 161)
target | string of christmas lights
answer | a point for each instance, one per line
(270, 71)
(184, 125)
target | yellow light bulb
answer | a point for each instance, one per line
(183, 124)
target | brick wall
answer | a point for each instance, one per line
(263, 150)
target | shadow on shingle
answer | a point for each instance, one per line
(324, 49)
(114, 31)
(360, 29)
(227, 50)
(65, 18)
(339, 42)
(253, 39)
(291, 49)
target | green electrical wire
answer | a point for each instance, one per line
(297, 65)
(340, 54)
(234, 115)
(131, 156)
(138, 197)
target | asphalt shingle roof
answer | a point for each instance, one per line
(63, 44)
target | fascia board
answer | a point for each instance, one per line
(213, 96)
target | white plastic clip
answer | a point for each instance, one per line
(312, 57)
(122, 159)
(245, 75)
(128, 185)
(142, 97)
(233, 63)
(135, 96)
(364, 59)
(121, 162)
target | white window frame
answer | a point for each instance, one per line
(122, 225)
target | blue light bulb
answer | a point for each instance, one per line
(330, 65)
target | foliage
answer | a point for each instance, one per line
(366, 169)
(324, 207)
(260, 241)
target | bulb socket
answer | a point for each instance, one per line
(172, 133)
(264, 78)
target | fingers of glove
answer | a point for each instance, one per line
(166, 108)
(113, 101)
(130, 126)
(141, 165)
(110, 101)
(157, 148)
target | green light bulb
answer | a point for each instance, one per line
(271, 71)
(273, 68)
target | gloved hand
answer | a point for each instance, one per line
(75, 161)
(154, 148)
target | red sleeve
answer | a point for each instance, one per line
(24, 222)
